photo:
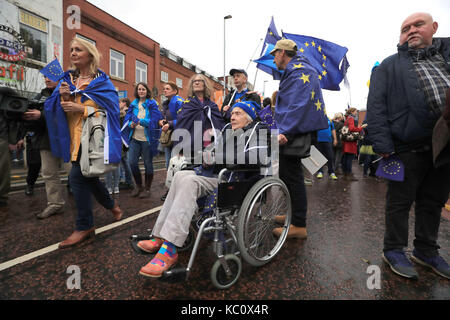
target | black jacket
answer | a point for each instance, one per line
(249, 96)
(398, 115)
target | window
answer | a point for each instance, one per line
(85, 38)
(164, 76)
(180, 83)
(34, 30)
(141, 72)
(117, 64)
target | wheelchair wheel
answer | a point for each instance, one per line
(268, 198)
(218, 275)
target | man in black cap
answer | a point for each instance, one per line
(239, 94)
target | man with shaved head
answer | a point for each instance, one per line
(406, 98)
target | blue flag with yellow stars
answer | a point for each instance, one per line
(325, 57)
(265, 62)
(53, 71)
(391, 168)
(300, 107)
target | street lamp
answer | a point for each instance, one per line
(264, 87)
(224, 71)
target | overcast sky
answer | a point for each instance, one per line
(194, 30)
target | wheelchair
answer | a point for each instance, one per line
(240, 226)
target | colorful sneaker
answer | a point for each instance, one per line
(400, 264)
(166, 257)
(150, 246)
(333, 176)
(435, 263)
(320, 175)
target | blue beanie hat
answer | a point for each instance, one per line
(250, 107)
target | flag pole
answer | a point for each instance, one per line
(253, 56)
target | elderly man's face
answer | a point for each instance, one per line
(239, 79)
(239, 118)
(418, 30)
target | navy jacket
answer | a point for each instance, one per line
(398, 115)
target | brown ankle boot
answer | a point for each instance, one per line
(136, 191)
(148, 184)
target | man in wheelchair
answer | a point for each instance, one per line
(250, 141)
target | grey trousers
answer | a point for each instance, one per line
(181, 204)
(50, 174)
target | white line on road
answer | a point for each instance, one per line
(54, 247)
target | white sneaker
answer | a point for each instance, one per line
(110, 191)
(116, 190)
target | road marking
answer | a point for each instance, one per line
(54, 247)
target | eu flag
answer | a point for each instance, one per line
(325, 57)
(391, 168)
(265, 62)
(53, 71)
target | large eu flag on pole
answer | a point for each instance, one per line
(265, 62)
(325, 57)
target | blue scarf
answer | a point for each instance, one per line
(103, 93)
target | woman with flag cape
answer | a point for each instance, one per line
(142, 121)
(198, 120)
(65, 110)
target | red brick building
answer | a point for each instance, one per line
(128, 56)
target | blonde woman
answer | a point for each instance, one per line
(83, 86)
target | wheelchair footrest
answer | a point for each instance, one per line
(175, 274)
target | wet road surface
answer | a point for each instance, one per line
(345, 233)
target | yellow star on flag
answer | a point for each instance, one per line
(312, 95)
(319, 48)
(318, 105)
(320, 77)
(305, 78)
(324, 57)
(302, 50)
(324, 73)
(307, 44)
(323, 65)
(313, 43)
(298, 66)
(271, 33)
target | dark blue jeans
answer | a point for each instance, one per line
(429, 188)
(326, 148)
(137, 149)
(347, 161)
(291, 173)
(83, 188)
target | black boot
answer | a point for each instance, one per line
(29, 190)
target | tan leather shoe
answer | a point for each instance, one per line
(117, 212)
(294, 232)
(76, 237)
(280, 219)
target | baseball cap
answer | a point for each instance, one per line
(284, 44)
(233, 71)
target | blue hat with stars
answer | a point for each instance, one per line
(250, 107)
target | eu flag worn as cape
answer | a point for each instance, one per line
(104, 94)
(53, 71)
(325, 57)
(300, 107)
(205, 113)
